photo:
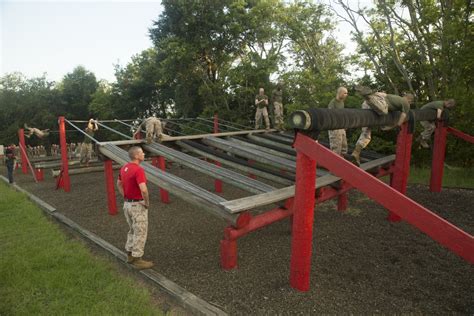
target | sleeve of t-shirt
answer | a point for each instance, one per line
(140, 176)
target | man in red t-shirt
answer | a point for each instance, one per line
(132, 185)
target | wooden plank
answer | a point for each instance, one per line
(210, 169)
(238, 166)
(83, 170)
(181, 188)
(263, 149)
(248, 203)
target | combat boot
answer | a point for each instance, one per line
(356, 155)
(130, 258)
(141, 264)
(424, 144)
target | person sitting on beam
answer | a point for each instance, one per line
(35, 131)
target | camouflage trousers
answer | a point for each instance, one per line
(137, 218)
(86, 152)
(428, 129)
(377, 102)
(153, 130)
(338, 141)
(258, 117)
(366, 134)
(278, 111)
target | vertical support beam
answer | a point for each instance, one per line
(217, 182)
(165, 198)
(439, 153)
(228, 251)
(303, 215)
(342, 201)
(39, 174)
(399, 180)
(110, 185)
(66, 183)
(24, 162)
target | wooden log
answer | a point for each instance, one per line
(248, 203)
(55, 164)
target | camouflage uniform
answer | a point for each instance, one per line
(137, 218)
(429, 127)
(337, 138)
(153, 128)
(86, 147)
(277, 97)
(374, 102)
(261, 110)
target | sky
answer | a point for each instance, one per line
(53, 37)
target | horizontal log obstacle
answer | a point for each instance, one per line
(82, 170)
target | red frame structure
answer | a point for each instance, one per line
(22, 143)
(431, 224)
(439, 152)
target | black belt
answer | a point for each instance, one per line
(132, 200)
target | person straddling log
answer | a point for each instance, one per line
(86, 146)
(261, 102)
(381, 103)
(35, 131)
(131, 184)
(337, 138)
(277, 99)
(153, 128)
(10, 161)
(429, 127)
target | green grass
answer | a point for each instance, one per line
(452, 177)
(42, 272)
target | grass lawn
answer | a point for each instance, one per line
(42, 272)
(452, 176)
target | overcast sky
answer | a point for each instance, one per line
(54, 37)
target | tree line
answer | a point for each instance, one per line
(213, 55)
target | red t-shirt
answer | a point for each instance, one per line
(131, 176)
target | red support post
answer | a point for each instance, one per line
(401, 171)
(66, 183)
(39, 174)
(165, 198)
(24, 161)
(110, 185)
(459, 134)
(342, 202)
(217, 182)
(303, 215)
(439, 152)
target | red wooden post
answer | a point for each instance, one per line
(110, 185)
(439, 152)
(342, 202)
(217, 182)
(66, 183)
(401, 172)
(228, 251)
(303, 215)
(165, 198)
(39, 174)
(24, 162)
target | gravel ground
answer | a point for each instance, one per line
(361, 263)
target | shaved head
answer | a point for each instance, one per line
(341, 93)
(134, 152)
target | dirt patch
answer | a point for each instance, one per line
(361, 262)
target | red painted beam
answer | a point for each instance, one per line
(64, 178)
(303, 215)
(165, 197)
(450, 236)
(110, 185)
(399, 180)
(459, 134)
(21, 138)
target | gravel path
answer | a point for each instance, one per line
(361, 262)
